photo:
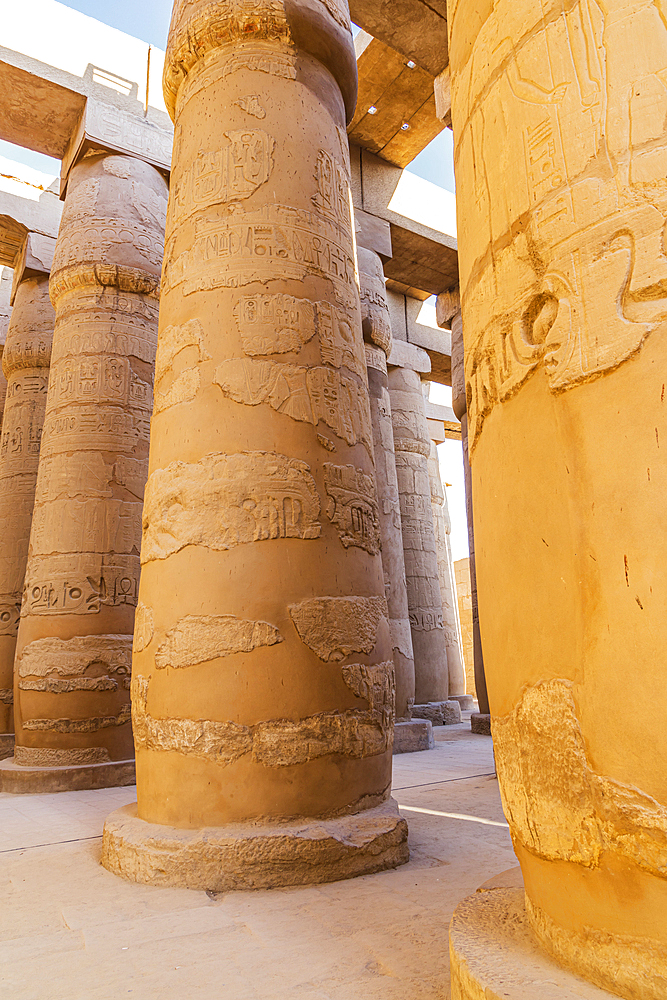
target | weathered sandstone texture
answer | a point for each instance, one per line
(413, 446)
(73, 658)
(25, 362)
(443, 526)
(559, 116)
(261, 523)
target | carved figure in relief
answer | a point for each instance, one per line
(251, 104)
(229, 174)
(197, 639)
(352, 506)
(228, 500)
(305, 394)
(335, 627)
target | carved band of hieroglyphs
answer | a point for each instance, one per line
(254, 58)
(108, 236)
(352, 506)
(49, 757)
(10, 615)
(426, 620)
(79, 584)
(231, 173)
(227, 500)
(87, 474)
(333, 189)
(91, 379)
(276, 324)
(275, 243)
(95, 428)
(84, 663)
(172, 387)
(22, 422)
(305, 394)
(73, 726)
(99, 524)
(355, 733)
(335, 627)
(197, 639)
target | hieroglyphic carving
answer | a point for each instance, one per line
(230, 173)
(50, 757)
(6, 696)
(197, 639)
(69, 726)
(335, 627)
(73, 657)
(352, 506)
(333, 188)
(227, 500)
(77, 584)
(307, 394)
(251, 104)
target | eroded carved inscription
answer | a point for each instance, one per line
(335, 627)
(197, 639)
(352, 506)
(230, 173)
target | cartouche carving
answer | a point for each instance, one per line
(352, 506)
(231, 173)
(196, 639)
(334, 627)
(228, 500)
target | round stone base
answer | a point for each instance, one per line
(73, 778)
(466, 701)
(221, 859)
(6, 745)
(494, 954)
(413, 736)
(480, 724)
(438, 713)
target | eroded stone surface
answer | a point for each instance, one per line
(197, 639)
(334, 627)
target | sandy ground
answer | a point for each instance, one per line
(71, 931)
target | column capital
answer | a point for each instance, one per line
(35, 257)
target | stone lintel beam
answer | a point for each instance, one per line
(436, 344)
(373, 234)
(396, 109)
(35, 258)
(404, 355)
(105, 127)
(415, 28)
(20, 216)
(447, 306)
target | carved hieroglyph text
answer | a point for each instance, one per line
(305, 394)
(197, 639)
(79, 583)
(227, 500)
(231, 173)
(6, 696)
(144, 628)
(73, 726)
(355, 733)
(557, 806)
(180, 386)
(352, 506)
(276, 324)
(83, 663)
(335, 627)
(333, 188)
(252, 105)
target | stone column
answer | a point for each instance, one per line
(409, 735)
(559, 117)
(263, 680)
(413, 446)
(450, 617)
(6, 275)
(25, 360)
(480, 722)
(73, 655)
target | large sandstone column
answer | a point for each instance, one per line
(409, 735)
(73, 652)
(450, 618)
(413, 446)
(559, 114)
(263, 681)
(25, 363)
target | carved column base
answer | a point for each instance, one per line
(6, 745)
(19, 779)
(253, 856)
(494, 954)
(480, 723)
(439, 713)
(410, 737)
(466, 701)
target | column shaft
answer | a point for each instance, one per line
(263, 683)
(25, 363)
(74, 646)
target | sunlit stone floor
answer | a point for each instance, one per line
(71, 931)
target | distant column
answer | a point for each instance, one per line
(412, 444)
(73, 657)
(25, 361)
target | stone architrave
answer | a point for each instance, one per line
(409, 735)
(442, 526)
(559, 115)
(73, 656)
(25, 361)
(263, 679)
(5, 313)
(412, 445)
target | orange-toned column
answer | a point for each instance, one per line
(26, 358)
(409, 735)
(73, 656)
(263, 680)
(559, 116)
